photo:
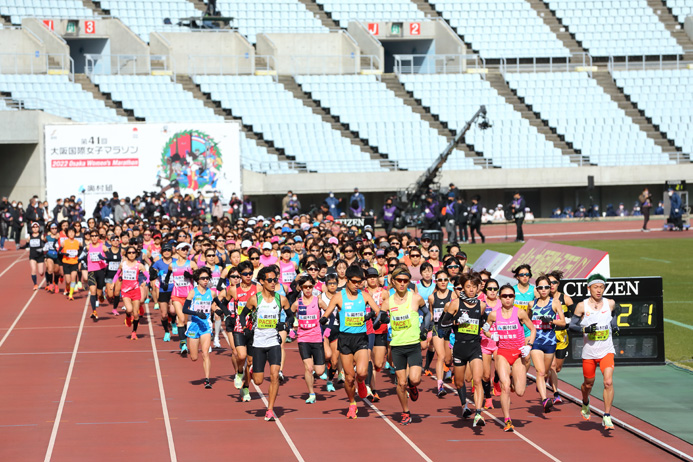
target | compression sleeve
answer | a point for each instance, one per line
(223, 305)
(423, 310)
(164, 286)
(446, 319)
(220, 285)
(614, 319)
(186, 308)
(575, 324)
(153, 273)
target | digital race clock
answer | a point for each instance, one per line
(640, 317)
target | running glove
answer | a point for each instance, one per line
(546, 319)
(524, 351)
(423, 334)
(592, 328)
(323, 320)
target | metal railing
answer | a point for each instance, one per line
(36, 63)
(539, 64)
(437, 64)
(644, 63)
(97, 64)
(54, 107)
(333, 64)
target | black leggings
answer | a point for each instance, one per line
(646, 217)
(476, 227)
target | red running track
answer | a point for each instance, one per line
(107, 393)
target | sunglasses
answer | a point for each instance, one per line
(401, 280)
(356, 281)
(554, 283)
(442, 280)
(307, 286)
(328, 251)
(434, 250)
(459, 288)
(210, 255)
(523, 275)
(234, 276)
(131, 253)
(312, 268)
(331, 283)
(246, 273)
(203, 278)
(495, 289)
(454, 266)
(414, 256)
(272, 280)
(543, 287)
(349, 251)
(365, 254)
(508, 296)
(254, 258)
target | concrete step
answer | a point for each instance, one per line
(188, 84)
(631, 109)
(290, 84)
(556, 26)
(88, 85)
(95, 6)
(498, 82)
(324, 17)
(426, 8)
(672, 25)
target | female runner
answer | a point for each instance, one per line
(36, 244)
(70, 250)
(181, 270)
(331, 331)
(96, 266)
(52, 267)
(440, 297)
(113, 257)
(130, 270)
(562, 338)
(488, 345)
(377, 338)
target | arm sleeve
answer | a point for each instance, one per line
(446, 319)
(423, 310)
(575, 324)
(164, 286)
(186, 308)
(223, 305)
(153, 273)
(614, 317)
(188, 274)
(220, 285)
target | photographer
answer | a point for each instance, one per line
(517, 209)
(645, 199)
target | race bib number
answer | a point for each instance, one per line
(541, 325)
(400, 322)
(113, 265)
(437, 313)
(522, 305)
(180, 281)
(601, 334)
(94, 257)
(354, 319)
(47, 247)
(268, 321)
(307, 321)
(288, 278)
(469, 327)
(204, 305)
(35, 242)
(72, 253)
(129, 274)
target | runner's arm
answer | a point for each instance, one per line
(334, 302)
(423, 310)
(524, 319)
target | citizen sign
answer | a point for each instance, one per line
(613, 288)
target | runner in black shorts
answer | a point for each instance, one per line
(441, 336)
(36, 244)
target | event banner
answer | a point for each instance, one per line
(92, 161)
(544, 257)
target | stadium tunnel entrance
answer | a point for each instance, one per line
(81, 47)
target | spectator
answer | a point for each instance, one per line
(580, 211)
(461, 214)
(247, 207)
(499, 214)
(645, 200)
(5, 222)
(450, 225)
(431, 213)
(235, 205)
(486, 216)
(358, 197)
(594, 211)
(17, 222)
(529, 215)
(636, 212)
(294, 206)
(216, 208)
(355, 209)
(389, 215)
(285, 202)
(31, 214)
(676, 210)
(622, 212)
(610, 212)
(332, 203)
(660, 208)
(475, 219)
(452, 191)
(517, 209)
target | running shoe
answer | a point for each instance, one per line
(466, 412)
(167, 337)
(406, 418)
(428, 373)
(156, 306)
(141, 311)
(49, 287)
(133, 336)
(217, 344)
(281, 377)
(208, 384)
(448, 375)
(363, 391)
(78, 286)
(35, 286)
(508, 426)
(351, 413)
(323, 376)
(557, 399)
(245, 394)
(115, 312)
(330, 386)
(97, 303)
(340, 377)
(174, 330)
(184, 349)
(238, 381)
(488, 403)
(147, 300)
(210, 348)
(387, 365)
(376, 398)
(71, 298)
(55, 288)
(585, 412)
(413, 393)
(548, 404)
(311, 399)
(606, 422)
(94, 316)
(269, 416)
(479, 421)
(128, 321)
(442, 391)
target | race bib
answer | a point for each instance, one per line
(35, 242)
(113, 265)
(601, 334)
(540, 325)
(307, 321)
(437, 313)
(204, 306)
(469, 327)
(354, 319)
(288, 278)
(129, 274)
(47, 247)
(213, 283)
(94, 257)
(267, 321)
(72, 253)
(180, 281)
(400, 322)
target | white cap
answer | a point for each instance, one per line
(266, 245)
(260, 218)
(251, 222)
(246, 244)
(182, 245)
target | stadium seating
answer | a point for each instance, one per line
(344, 11)
(616, 27)
(680, 8)
(666, 97)
(56, 9)
(372, 110)
(57, 95)
(270, 16)
(456, 97)
(273, 111)
(501, 28)
(145, 16)
(577, 107)
(155, 98)
(257, 159)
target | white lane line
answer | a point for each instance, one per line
(398, 431)
(12, 264)
(21, 313)
(515, 432)
(568, 233)
(654, 259)
(59, 414)
(680, 324)
(288, 439)
(162, 394)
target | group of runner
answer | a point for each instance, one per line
(355, 303)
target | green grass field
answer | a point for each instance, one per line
(667, 258)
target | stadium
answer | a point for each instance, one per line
(569, 104)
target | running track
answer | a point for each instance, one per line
(117, 398)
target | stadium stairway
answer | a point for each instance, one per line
(95, 6)
(188, 85)
(556, 26)
(498, 82)
(200, 5)
(87, 85)
(673, 26)
(392, 83)
(324, 17)
(426, 8)
(291, 85)
(604, 80)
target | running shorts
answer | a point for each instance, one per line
(315, 350)
(510, 355)
(261, 355)
(97, 278)
(243, 339)
(349, 344)
(441, 332)
(562, 353)
(164, 297)
(133, 294)
(377, 340)
(403, 355)
(69, 269)
(197, 330)
(180, 300)
(548, 349)
(589, 366)
(463, 352)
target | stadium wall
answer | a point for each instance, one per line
(23, 46)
